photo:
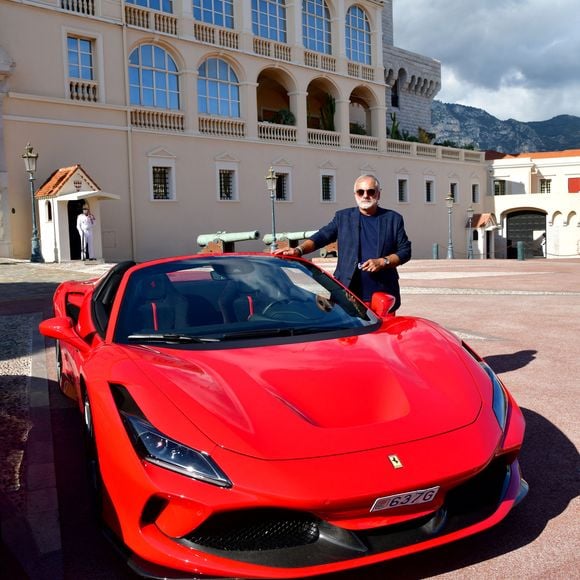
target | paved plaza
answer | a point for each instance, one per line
(522, 316)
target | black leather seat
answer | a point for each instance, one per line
(160, 306)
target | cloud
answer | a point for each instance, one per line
(513, 58)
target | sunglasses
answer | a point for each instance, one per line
(372, 192)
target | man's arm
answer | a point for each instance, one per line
(322, 237)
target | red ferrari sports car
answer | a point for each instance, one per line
(247, 416)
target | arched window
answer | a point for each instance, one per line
(316, 26)
(153, 78)
(218, 89)
(269, 19)
(217, 12)
(358, 36)
(161, 5)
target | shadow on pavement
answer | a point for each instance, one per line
(503, 363)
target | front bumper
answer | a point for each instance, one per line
(275, 543)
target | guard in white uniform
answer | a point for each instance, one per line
(85, 223)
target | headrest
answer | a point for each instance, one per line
(154, 287)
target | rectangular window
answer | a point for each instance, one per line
(453, 190)
(162, 183)
(327, 188)
(499, 187)
(475, 193)
(227, 184)
(217, 12)
(545, 185)
(80, 54)
(80, 58)
(402, 189)
(429, 191)
(282, 193)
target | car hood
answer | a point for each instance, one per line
(403, 383)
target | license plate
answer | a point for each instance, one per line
(405, 499)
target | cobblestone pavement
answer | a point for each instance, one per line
(522, 316)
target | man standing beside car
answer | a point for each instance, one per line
(372, 243)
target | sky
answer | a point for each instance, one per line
(516, 59)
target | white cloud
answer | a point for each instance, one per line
(514, 58)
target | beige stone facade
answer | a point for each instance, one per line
(186, 138)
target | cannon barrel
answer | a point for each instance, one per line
(290, 236)
(227, 237)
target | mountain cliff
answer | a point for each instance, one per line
(466, 126)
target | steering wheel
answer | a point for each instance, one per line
(284, 310)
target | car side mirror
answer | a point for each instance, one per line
(381, 303)
(61, 328)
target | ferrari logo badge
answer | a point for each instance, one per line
(395, 461)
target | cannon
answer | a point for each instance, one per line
(293, 238)
(225, 241)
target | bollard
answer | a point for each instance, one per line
(435, 251)
(226, 239)
(521, 251)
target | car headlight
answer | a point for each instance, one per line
(155, 447)
(499, 401)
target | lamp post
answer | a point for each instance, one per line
(271, 179)
(449, 203)
(470, 234)
(30, 157)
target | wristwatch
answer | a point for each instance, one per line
(386, 262)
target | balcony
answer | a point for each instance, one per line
(274, 132)
(84, 91)
(428, 151)
(223, 37)
(317, 60)
(364, 143)
(272, 49)
(79, 6)
(320, 138)
(360, 71)
(222, 127)
(150, 20)
(158, 120)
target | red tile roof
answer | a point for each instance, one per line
(53, 185)
(491, 155)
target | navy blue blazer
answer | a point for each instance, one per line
(392, 239)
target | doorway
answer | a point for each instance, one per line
(74, 208)
(527, 226)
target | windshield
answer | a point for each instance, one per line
(212, 300)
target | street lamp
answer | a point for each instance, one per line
(470, 234)
(449, 203)
(271, 179)
(30, 157)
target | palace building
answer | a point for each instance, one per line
(165, 116)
